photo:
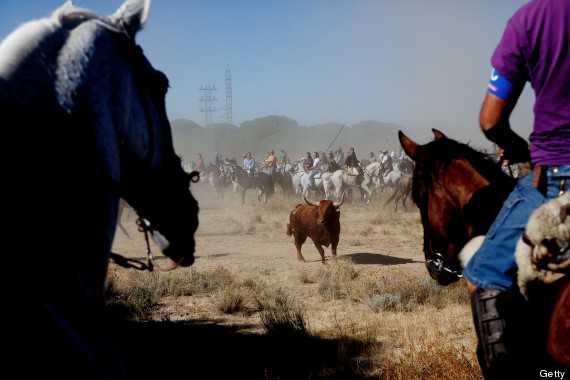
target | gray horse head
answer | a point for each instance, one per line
(89, 104)
(84, 101)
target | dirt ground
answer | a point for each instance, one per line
(251, 243)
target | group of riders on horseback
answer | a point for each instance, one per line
(311, 173)
(121, 147)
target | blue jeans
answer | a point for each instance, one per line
(493, 265)
(313, 174)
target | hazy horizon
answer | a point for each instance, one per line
(415, 64)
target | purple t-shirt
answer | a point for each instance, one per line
(536, 47)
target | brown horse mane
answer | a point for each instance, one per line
(438, 154)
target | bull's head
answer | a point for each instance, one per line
(328, 210)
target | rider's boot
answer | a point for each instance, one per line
(505, 333)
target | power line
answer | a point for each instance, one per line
(208, 99)
(229, 96)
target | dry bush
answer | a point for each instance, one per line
(232, 301)
(250, 283)
(139, 296)
(336, 280)
(246, 297)
(134, 303)
(444, 362)
(282, 316)
(305, 278)
(190, 282)
(406, 294)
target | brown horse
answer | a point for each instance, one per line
(401, 192)
(459, 192)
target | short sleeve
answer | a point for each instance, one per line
(509, 56)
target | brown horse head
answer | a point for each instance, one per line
(459, 191)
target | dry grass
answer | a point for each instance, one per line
(256, 219)
(140, 295)
(305, 278)
(189, 282)
(379, 319)
(336, 280)
(132, 303)
(406, 294)
(434, 362)
(367, 231)
(282, 316)
(232, 301)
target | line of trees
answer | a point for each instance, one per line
(279, 132)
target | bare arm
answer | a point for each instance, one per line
(494, 122)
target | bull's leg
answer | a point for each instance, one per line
(299, 240)
(334, 244)
(243, 197)
(321, 251)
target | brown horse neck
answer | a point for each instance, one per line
(462, 181)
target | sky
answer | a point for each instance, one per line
(420, 64)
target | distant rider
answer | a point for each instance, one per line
(308, 162)
(249, 164)
(271, 162)
(315, 169)
(333, 165)
(351, 159)
(200, 165)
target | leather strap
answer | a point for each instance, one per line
(539, 181)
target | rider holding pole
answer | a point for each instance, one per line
(535, 48)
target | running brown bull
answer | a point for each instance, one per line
(320, 222)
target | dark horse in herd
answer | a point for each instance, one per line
(459, 192)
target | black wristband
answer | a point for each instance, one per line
(515, 147)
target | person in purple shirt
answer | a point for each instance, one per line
(535, 48)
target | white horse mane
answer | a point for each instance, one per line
(76, 50)
(26, 38)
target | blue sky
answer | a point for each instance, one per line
(416, 63)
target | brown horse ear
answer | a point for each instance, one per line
(409, 146)
(438, 135)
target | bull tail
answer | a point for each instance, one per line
(290, 229)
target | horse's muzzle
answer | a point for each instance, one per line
(181, 254)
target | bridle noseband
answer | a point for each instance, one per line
(439, 265)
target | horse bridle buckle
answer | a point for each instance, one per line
(438, 265)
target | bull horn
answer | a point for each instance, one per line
(341, 201)
(309, 203)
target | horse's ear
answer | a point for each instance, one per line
(409, 146)
(63, 10)
(132, 15)
(438, 135)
